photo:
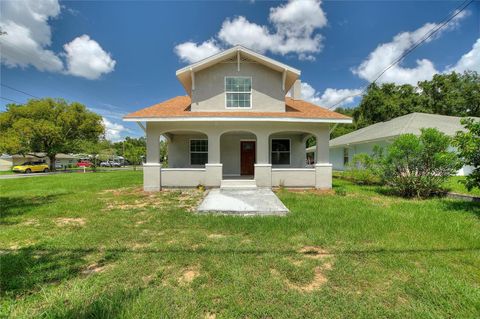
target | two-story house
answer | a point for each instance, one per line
(237, 126)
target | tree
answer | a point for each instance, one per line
(451, 94)
(134, 153)
(48, 125)
(468, 145)
(94, 149)
(419, 166)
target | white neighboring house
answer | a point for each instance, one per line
(343, 148)
(237, 127)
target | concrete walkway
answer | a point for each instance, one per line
(244, 202)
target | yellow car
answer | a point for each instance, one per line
(30, 167)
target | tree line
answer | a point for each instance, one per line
(451, 94)
(54, 126)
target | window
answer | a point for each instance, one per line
(280, 151)
(238, 91)
(345, 156)
(198, 152)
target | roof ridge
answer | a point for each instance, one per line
(404, 129)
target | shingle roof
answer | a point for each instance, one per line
(180, 107)
(410, 123)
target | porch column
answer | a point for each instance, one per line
(323, 168)
(213, 169)
(263, 168)
(152, 168)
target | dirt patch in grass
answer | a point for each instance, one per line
(61, 222)
(136, 199)
(93, 269)
(188, 275)
(216, 236)
(315, 252)
(31, 222)
(210, 315)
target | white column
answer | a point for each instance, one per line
(152, 168)
(213, 169)
(323, 168)
(263, 168)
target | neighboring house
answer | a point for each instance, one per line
(343, 148)
(61, 160)
(237, 123)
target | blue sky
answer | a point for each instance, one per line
(120, 56)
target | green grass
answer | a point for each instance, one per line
(454, 184)
(6, 173)
(94, 245)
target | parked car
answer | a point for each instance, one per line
(110, 164)
(84, 163)
(31, 167)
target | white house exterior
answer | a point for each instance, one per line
(343, 148)
(237, 124)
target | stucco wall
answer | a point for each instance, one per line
(267, 93)
(179, 150)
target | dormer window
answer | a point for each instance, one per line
(238, 92)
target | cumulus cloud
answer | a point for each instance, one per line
(385, 54)
(330, 96)
(191, 52)
(293, 30)
(86, 58)
(28, 36)
(113, 131)
(470, 61)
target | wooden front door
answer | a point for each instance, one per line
(247, 157)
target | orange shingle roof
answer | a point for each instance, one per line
(180, 107)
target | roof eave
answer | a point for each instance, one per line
(238, 119)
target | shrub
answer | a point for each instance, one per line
(418, 166)
(364, 169)
(468, 144)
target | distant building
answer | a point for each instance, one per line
(61, 160)
(343, 148)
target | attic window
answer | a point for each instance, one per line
(238, 92)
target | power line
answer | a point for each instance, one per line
(11, 88)
(7, 99)
(427, 35)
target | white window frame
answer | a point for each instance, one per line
(226, 92)
(190, 150)
(289, 152)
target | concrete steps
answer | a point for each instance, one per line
(238, 184)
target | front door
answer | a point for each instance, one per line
(247, 157)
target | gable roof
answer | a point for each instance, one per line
(410, 123)
(178, 108)
(184, 74)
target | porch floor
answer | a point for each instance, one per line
(244, 202)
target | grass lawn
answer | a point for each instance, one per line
(455, 185)
(94, 245)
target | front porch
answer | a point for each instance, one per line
(237, 156)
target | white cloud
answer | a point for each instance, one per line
(330, 96)
(191, 52)
(294, 27)
(385, 54)
(469, 61)
(86, 58)
(113, 131)
(28, 36)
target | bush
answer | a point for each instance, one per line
(418, 166)
(468, 145)
(364, 169)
